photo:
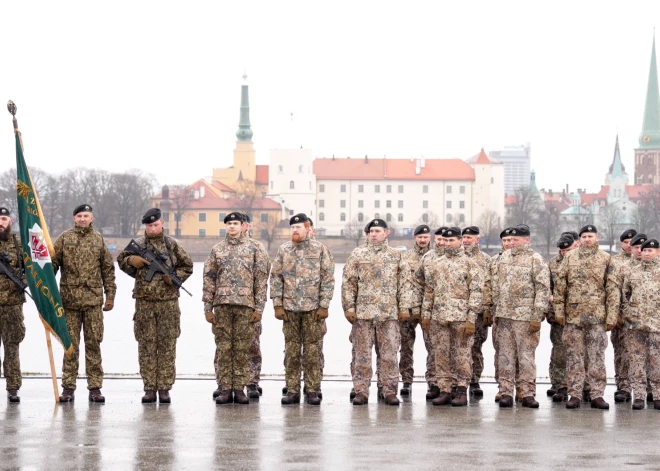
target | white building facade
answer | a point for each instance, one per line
(292, 182)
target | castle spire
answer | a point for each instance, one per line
(650, 136)
(244, 132)
(617, 169)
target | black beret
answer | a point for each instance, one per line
(650, 244)
(572, 234)
(311, 223)
(151, 215)
(472, 230)
(366, 229)
(4, 212)
(628, 234)
(452, 232)
(423, 229)
(505, 233)
(235, 216)
(565, 242)
(81, 208)
(440, 230)
(376, 223)
(246, 218)
(639, 239)
(521, 230)
(589, 228)
(299, 218)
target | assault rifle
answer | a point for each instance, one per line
(157, 264)
(6, 269)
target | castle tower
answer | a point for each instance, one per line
(647, 155)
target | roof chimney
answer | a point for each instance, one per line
(423, 162)
(366, 159)
(417, 167)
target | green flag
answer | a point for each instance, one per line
(37, 252)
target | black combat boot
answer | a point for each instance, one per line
(506, 400)
(240, 397)
(638, 404)
(475, 390)
(405, 390)
(453, 391)
(96, 396)
(149, 397)
(392, 400)
(319, 393)
(498, 396)
(656, 405)
(261, 391)
(433, 393)
(573, 403)
(360, 399)
(461, 397)
(561, 396)
(313, 399)
(622, 396)
(291, 398)
(380, 393)
(217, 392)
(225, 397)
(68, 395)
(586, 396)
(530, 402)
(352, 394)
(443, 399)
(552, 391)
(164, 396)
(285, 390)
(12, 396)
(599, 403)
(252, 391)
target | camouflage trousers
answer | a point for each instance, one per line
(517, 346)
(453, 354)
(385, 336)
(496, 347)
(324, 330)
(585, 358)
(379, 382)
(254, 355)
(12, 333)
(643, 349)
(618, 337)
(480, 337)
(302, 332)
(90, 322)
(557, 368)
(408, 336)
(157, 326)
(233, 334)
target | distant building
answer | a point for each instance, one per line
(292, 181)
(517, 166)
(647, 155)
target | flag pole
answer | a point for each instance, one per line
(11, 106)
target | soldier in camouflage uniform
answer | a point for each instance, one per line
(12, 327)
(453, 295)
(87, 271)
(422, 235)
(521, 289)
(641, 318)
(234, 296)
(375, 296)
(586, 306)
(157, 319)
(484, 318)
(301, 287)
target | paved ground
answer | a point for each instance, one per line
(194, 433)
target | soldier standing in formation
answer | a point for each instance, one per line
(521, 292)
(87, 271)
(12, 327)
(506, 245)
(375, 290)
(301, 287)
(157, 320)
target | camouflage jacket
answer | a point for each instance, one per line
(474, 252)
(521, 285)
(236, 272)
(553, 265)
(453, 288)
(622, 269)
(414, 259)
(10, 295)
(157, 289)
(426, 265)
(642, 311)
(261, 247)
(582, 294)
(86, 266)
(493, 275)
(303, 276)
(376, 283)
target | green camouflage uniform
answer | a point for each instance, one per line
(157, 320)
(302, 280)
(235, 281)
(12, 327)
(87, 270)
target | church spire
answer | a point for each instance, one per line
(617, 169)
(650, 136)
(244, 132)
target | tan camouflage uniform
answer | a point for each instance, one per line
(254, 354)
(157, 319)
(87, 270)
(481, 329)
(302, 280)
(496, 346)
(453, 294)
(235, 281)
(588, 302)
(521, 289)
(618, 334)
(557, 368)
(376, 287)
(12, 326)
(641, 315)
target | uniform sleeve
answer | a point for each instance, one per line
(349, 285)
(417, 289)
(327, 278)
(626, 287)
(541, 275)
(209, 282)
(494, 285)
(476, 287)
(276, 279)
(122, 263)
(487, 300)
(260, 280)
(404, 289)
(613, 294)
(58, 248)
(561, 286)
(184, 264)
(108, 273)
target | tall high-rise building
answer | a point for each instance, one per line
(517, 166)
(647, 155)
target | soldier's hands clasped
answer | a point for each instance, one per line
(280, 314)
(468, 329)
(321, 313)
(404, 316)
(351, 317)
(210, 317)
(137, 262)
(109, 304)
(534, 327)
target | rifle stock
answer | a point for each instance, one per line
(5, 269)
(156, 264)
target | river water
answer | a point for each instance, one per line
(196, 345)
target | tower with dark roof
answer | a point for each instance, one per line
(647, 155)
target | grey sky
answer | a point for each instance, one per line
(155, 85)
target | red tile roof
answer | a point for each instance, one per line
(222, 187)
(392, 169)
(262, 175)
(482, 159)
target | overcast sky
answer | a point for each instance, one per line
(156, 85)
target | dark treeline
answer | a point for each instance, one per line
(119, 199)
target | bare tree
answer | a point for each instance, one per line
(133, 191)
(354, 230)
(546, 225)
(268, 229)
(489, 226)
(247, 194)
(180, 198)
(643, 219)
(525, 207)
(610, 224)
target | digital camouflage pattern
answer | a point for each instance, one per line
(236, 273)
(641, 311)
(90, 322)
(426, 265)
(585, 358)
(453, 354)
(483, 261)
(233, 332)
(303, 331)
(517, 345)
(496, 347)
(10, 295)
(254, 355)
(366, 334)
(12, 333)
(521, 285)
(557, 370)
(644, 359)
(376, 283)
(481, 329)
(453, 288)
(618, 335)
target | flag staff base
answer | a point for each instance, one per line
(52, 364)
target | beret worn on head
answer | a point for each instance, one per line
(650, 244)
(471, 230)
(299, 218)
(423, 229)
(235, 216)
(440, 230)
(589, 228)
(376, 223)
(452, 232)
(565, 242)
(150, 216)
(82, 208)
(521, 230)
(628, 234)
(639, 239)
(4, 212)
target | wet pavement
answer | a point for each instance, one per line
(194, 433)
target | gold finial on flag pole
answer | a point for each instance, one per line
(12, 108)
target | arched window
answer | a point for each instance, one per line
(461, 217)
(321, 216)
(360, 217)
(377, 216)
(400, 217)
(388, 217)
(300, 169)
(448, 217)
(342, 217)
(425, 217)
(292, 185)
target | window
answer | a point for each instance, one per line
(425, 217)
(264, 233)
(202, 217)
(388, 189)
(321, 203)
(342, 204)
(263, 194)
(448, 188)
(202, 232)
(321, 188)
(400, 188)
(425, 204)
(300, 169)
(425, 189)
(376, 204)
(461, 217)
(291, 213)
(376, 188)
(271, 184)
(448, 204)
(342, 217)
(360, 217)
(388, 203)
(221, 217)
(360, 188)
(399, 217)
(264, 217)
(400, 205)
(310, 185)
(492, 179)
(222, 233)
(461, 189)
(377, 216)
(461, 204)
(342, 188)
(280, 169)
(292, 185)
(177, 217)
(388, 217)
(360, 203)
(321, 216)
(448, 217)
